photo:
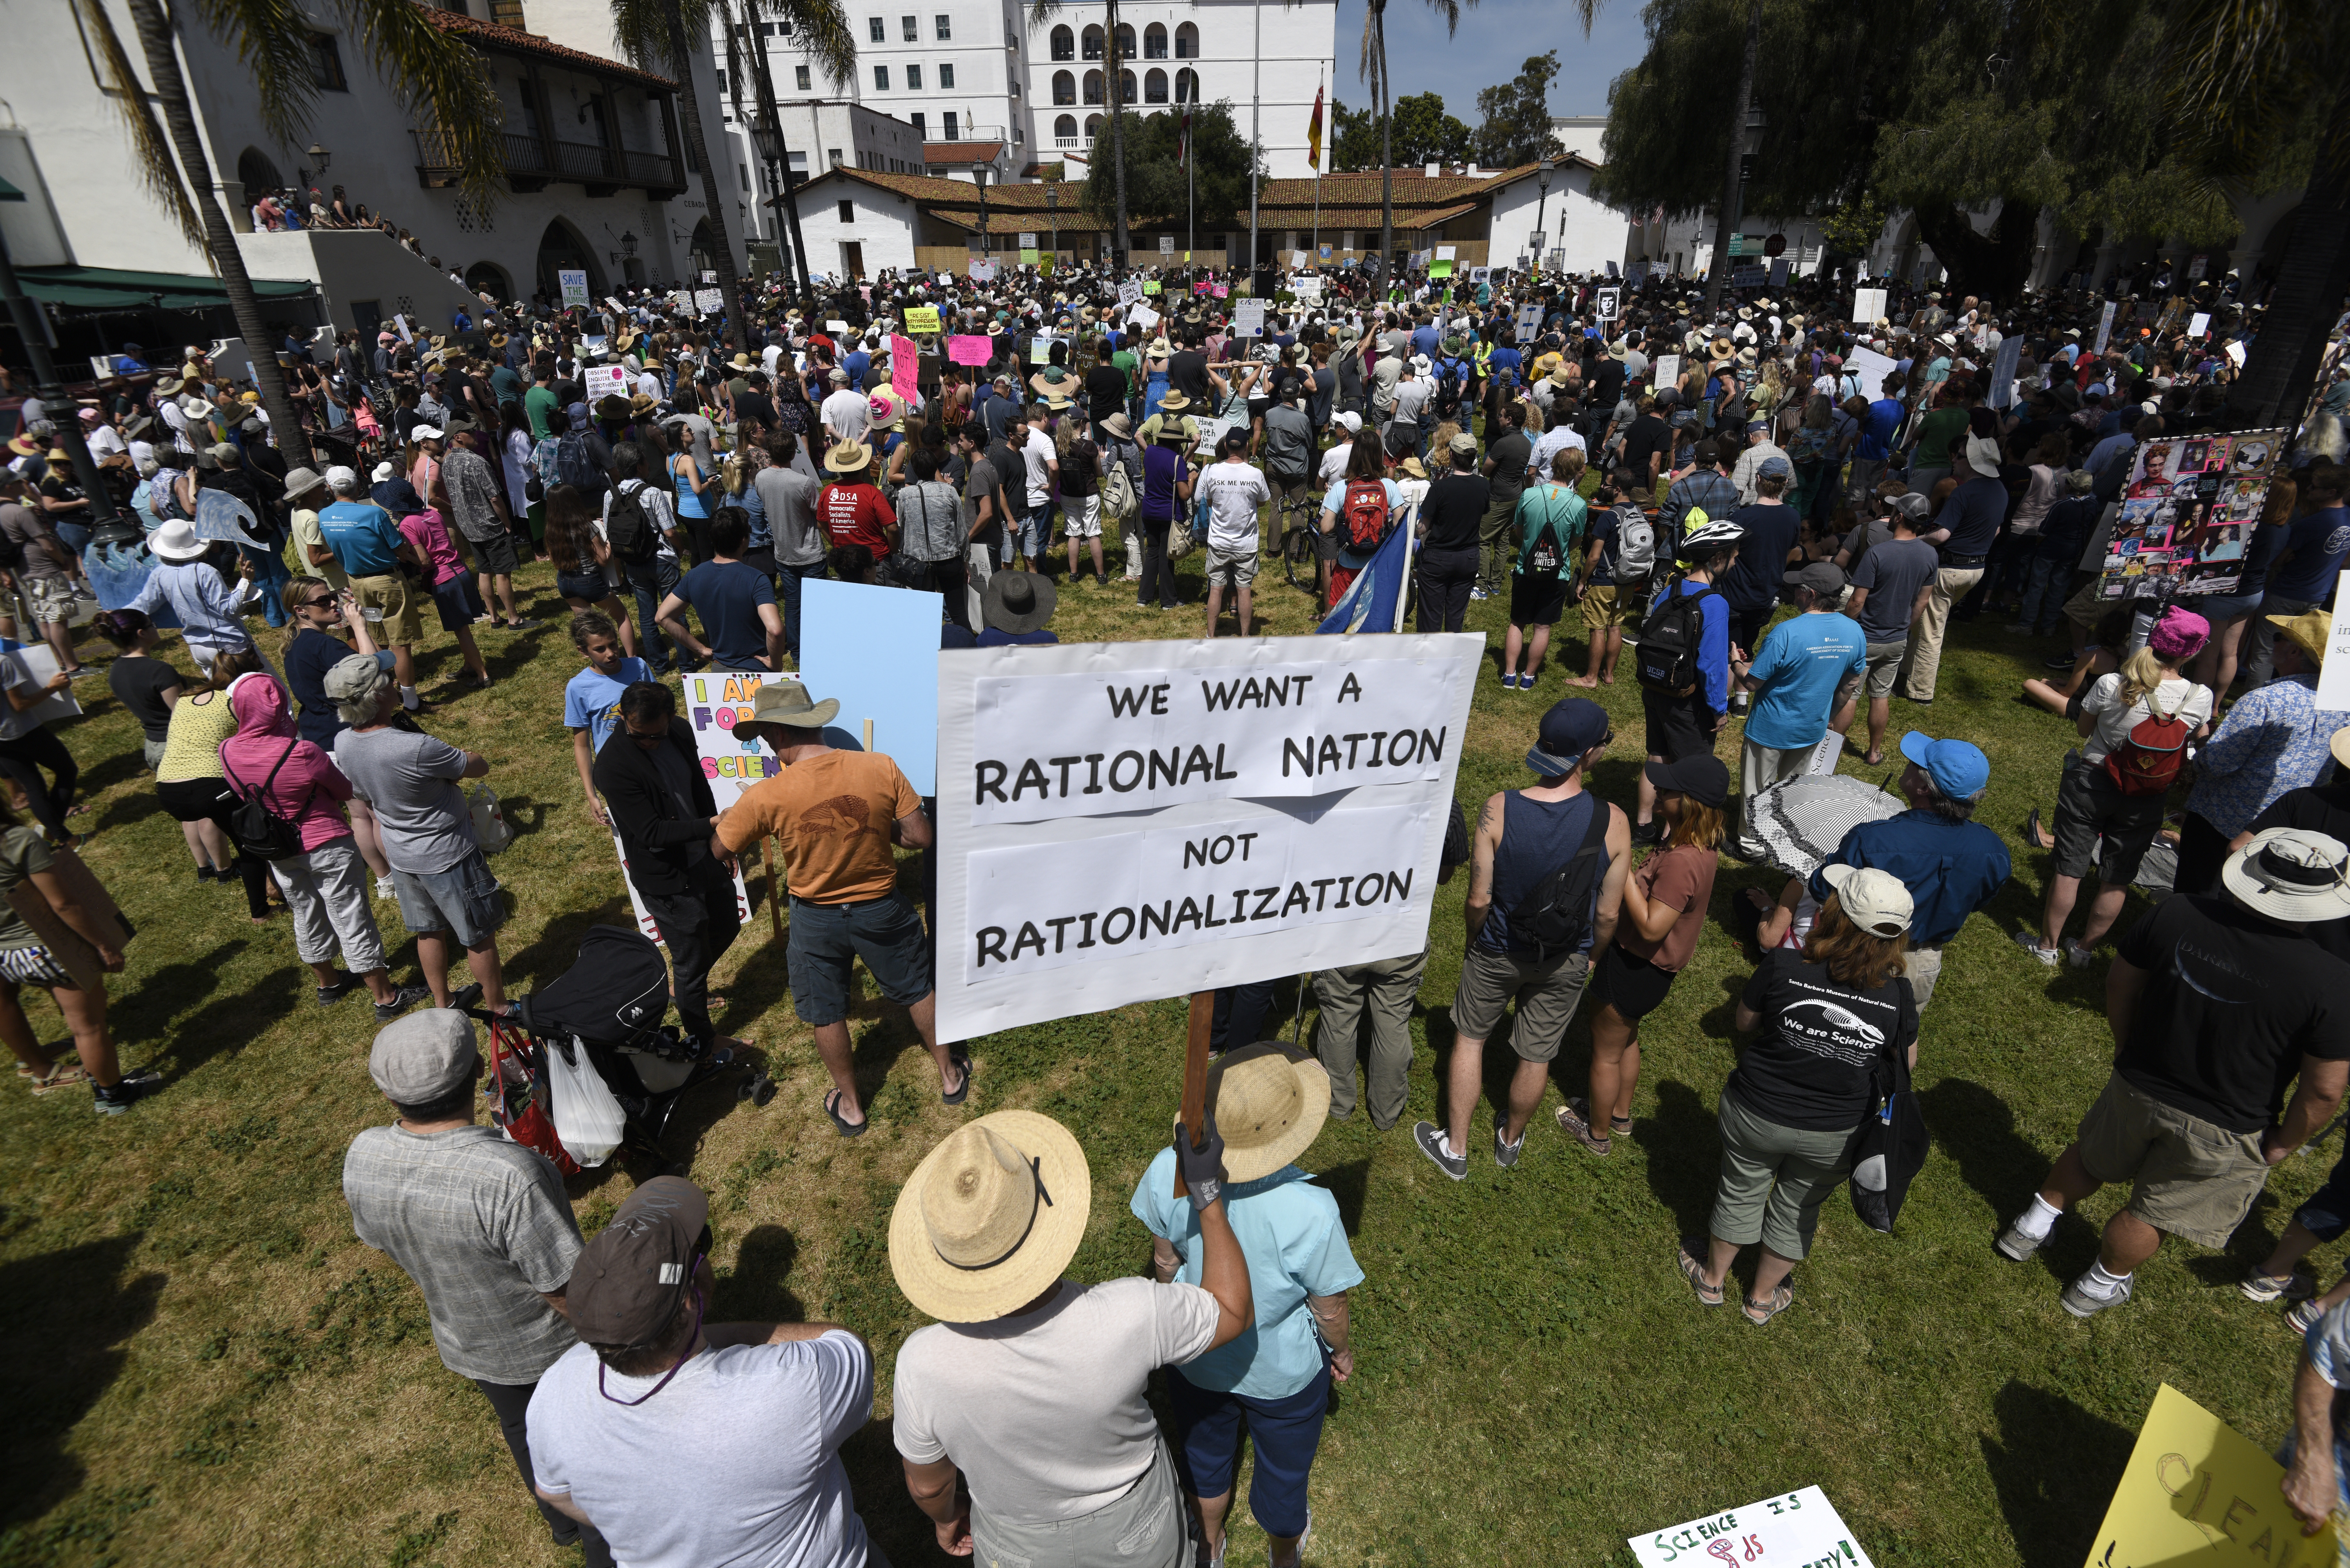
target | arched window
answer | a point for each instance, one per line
(1064, 130)
(1187, 86)
(1125, 40)
(259, 176)
(1093, 43)
(1154, 88)
(1065, 44)
(1126, 87)
(1187, 42)
(1154, 42)
(1065, 88)
(1093, 86)
(488, 277)
(1093, 126)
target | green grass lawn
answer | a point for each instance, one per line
(208, 1368)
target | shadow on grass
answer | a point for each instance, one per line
(216, 1025)
(46, 1396)
(557, 947)
(1976, 1129)
(1683, 1150)
(754, 1291)
(2055, 1466)
(1350, 1183)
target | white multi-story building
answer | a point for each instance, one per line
(977, 70)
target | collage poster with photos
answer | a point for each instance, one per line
(2191, 507)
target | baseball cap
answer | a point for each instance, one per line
(1354, 423)
(1875, 900)
(1572, 727)
(629, 1278)
(1775, 468)
(1701, 776)
(1464, 445)
(424, 1056)
(1958, 769)
(1822, 578)
(425, 432)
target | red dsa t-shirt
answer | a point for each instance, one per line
(856, 514)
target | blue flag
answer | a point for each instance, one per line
(1374, 598)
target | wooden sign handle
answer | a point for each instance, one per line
(774, 888)
(1195, 1073)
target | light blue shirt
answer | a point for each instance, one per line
(1799, 667)
(591, 701)
(1295, 1245)
(211, 611)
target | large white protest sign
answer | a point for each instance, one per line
(1129, 291)
(604, 380)
(1867, 305)
(574, 284)
(2333, 675)
(1872, 368)
(1667, 371)
(1248, 318)
(1116, 813)
(1793, 1530)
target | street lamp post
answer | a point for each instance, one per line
(979, 173)
(1542, 202)
(769, 141)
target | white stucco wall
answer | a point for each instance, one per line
(1591, 232)
(883, 223)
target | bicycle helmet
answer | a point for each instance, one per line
(1705, 535)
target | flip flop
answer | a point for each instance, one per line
(962, 1091)
(846, 1128)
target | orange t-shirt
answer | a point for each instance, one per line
(834, 813)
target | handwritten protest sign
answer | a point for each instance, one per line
(1151, 286)
(574, 284)
(714, 704)
(1101, 796)
(922, 318)
(1793, 1530)
(970, 350)
(904, 361)
(708, 301)
(2197, 1491)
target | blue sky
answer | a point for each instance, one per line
(1496, 38)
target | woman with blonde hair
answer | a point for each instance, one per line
(1663, 916)
(1828, 1021)
(2135, 724)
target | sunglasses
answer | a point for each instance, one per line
(325, 603)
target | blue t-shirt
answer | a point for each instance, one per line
(1753, 579)
(1801, 664)
(1296, 1243)
(363, 537)
(591, 701)
(1876, 430)
(727, 595)
(2318, 543)
(1506, 358)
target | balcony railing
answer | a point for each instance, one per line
(531, 164)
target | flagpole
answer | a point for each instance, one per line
(1256, 139)
(1190, 192)
(1319, 90)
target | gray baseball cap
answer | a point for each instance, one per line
(423, 1056)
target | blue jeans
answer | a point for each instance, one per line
(270, 573)
(1286, 1433)
(649, 584)
(2044, 594)
(76, 536)
(1035, 535)
(792, 577)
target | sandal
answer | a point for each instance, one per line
(60, 1075)
(962, 1090)
(1574, 1119)
(846, 1128)
(1760, 1310)
(1694, 1272)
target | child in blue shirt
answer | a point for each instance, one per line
(591, 701)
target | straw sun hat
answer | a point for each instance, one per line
(991, 1217)
(1270, 1101)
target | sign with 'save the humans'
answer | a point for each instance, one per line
(1122, 822)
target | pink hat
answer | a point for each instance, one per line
(2179, 634)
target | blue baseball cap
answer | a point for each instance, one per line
(1958, 768)
(1571, 728)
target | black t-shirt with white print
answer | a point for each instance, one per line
(1811, 1064)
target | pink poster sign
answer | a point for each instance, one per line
(903, 357)
(973, 351)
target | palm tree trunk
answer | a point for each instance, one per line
(1726, 210)
(786, 201)
(1116, 130)
(730, 287)
(1387, 147)
(2275, 387)
(220, 240)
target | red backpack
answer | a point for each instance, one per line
(2151, 754)
(1363, 515)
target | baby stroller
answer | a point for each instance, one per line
(586, 1066)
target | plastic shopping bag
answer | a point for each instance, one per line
(490, 824)
(587, 1119)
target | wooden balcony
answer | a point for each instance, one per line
(533, 162)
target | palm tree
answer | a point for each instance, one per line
(822, 30)
(652, 35)
(274, 42)
(1374, 71)
(2247, 76)
(1043, 11)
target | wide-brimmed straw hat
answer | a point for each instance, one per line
(1173, 402)
(788, 702)
(849, 457)
(1270, 1101)
(2290, 873)
(991, 1218)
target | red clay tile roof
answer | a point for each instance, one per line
(513, 40)
(960, 151)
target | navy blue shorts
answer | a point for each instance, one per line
(1285, 1432)
(2326, 1213)
(826, 939)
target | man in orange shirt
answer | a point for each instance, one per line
(838, 814)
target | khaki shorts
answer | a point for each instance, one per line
(1081, 516)
(1236, 570)
(1547, 994)
(390, 609)
(1604, 605)
(1884, 665)
(52, 598)
(2189, 1177)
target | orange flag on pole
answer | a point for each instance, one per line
(1313, 133)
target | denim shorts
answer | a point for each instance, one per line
(463, 900)
(826, 939)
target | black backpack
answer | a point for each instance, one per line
(1668, 641)
(1888, 1149)
(1555, 914)
(627, 528)
(254, 828)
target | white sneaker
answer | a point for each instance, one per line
(2077, 954)
(2031, 944)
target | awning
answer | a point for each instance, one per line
(105, 288)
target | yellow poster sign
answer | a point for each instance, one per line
(921, 318)
(2197, 1491)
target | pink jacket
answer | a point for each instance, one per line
(308, 790)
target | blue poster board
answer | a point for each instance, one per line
(877, 649)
